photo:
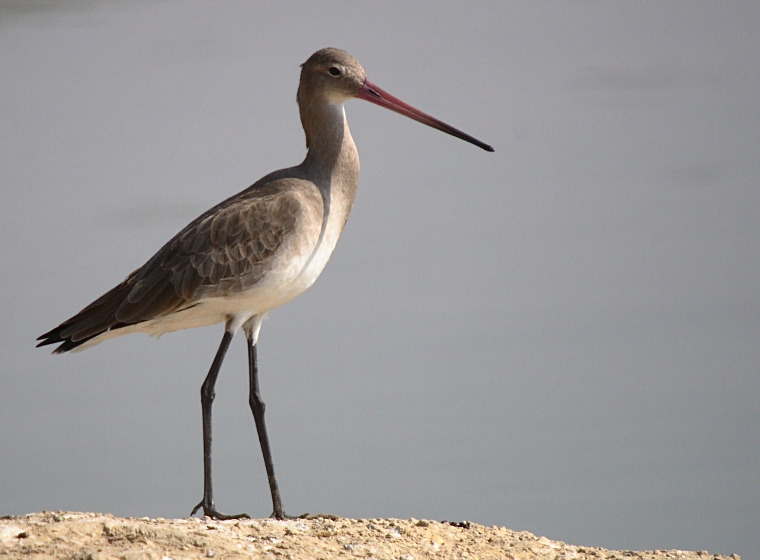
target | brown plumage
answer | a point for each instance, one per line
(254, 251)
(226, 250)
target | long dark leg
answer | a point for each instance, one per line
(258, 407)
(207, 397)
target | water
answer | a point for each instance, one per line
(559, 337)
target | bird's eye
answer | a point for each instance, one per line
(334, 70)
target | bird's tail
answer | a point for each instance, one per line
(95, 319)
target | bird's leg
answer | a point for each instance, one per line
(207, 397)
(258, 407)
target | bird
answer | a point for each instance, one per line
(252, 252)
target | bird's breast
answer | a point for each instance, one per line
(299, 262)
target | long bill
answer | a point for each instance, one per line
(370, 92)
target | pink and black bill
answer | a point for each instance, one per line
(370, 92)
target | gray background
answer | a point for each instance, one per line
(560, 337)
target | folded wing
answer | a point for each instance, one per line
(226, 250)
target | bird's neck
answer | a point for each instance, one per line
(332, 161)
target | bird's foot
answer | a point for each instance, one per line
(309, 516)
(210, 511)
(282, 516)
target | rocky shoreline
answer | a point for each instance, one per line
(94, 536)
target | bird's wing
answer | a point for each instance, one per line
(227, 249)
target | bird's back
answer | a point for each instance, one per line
(244, 255)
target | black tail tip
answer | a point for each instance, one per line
(52, 338)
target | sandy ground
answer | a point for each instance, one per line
(94, 536)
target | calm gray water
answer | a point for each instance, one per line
(560, 337)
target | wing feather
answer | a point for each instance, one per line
(229, 248)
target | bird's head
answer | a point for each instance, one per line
(335, 76)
